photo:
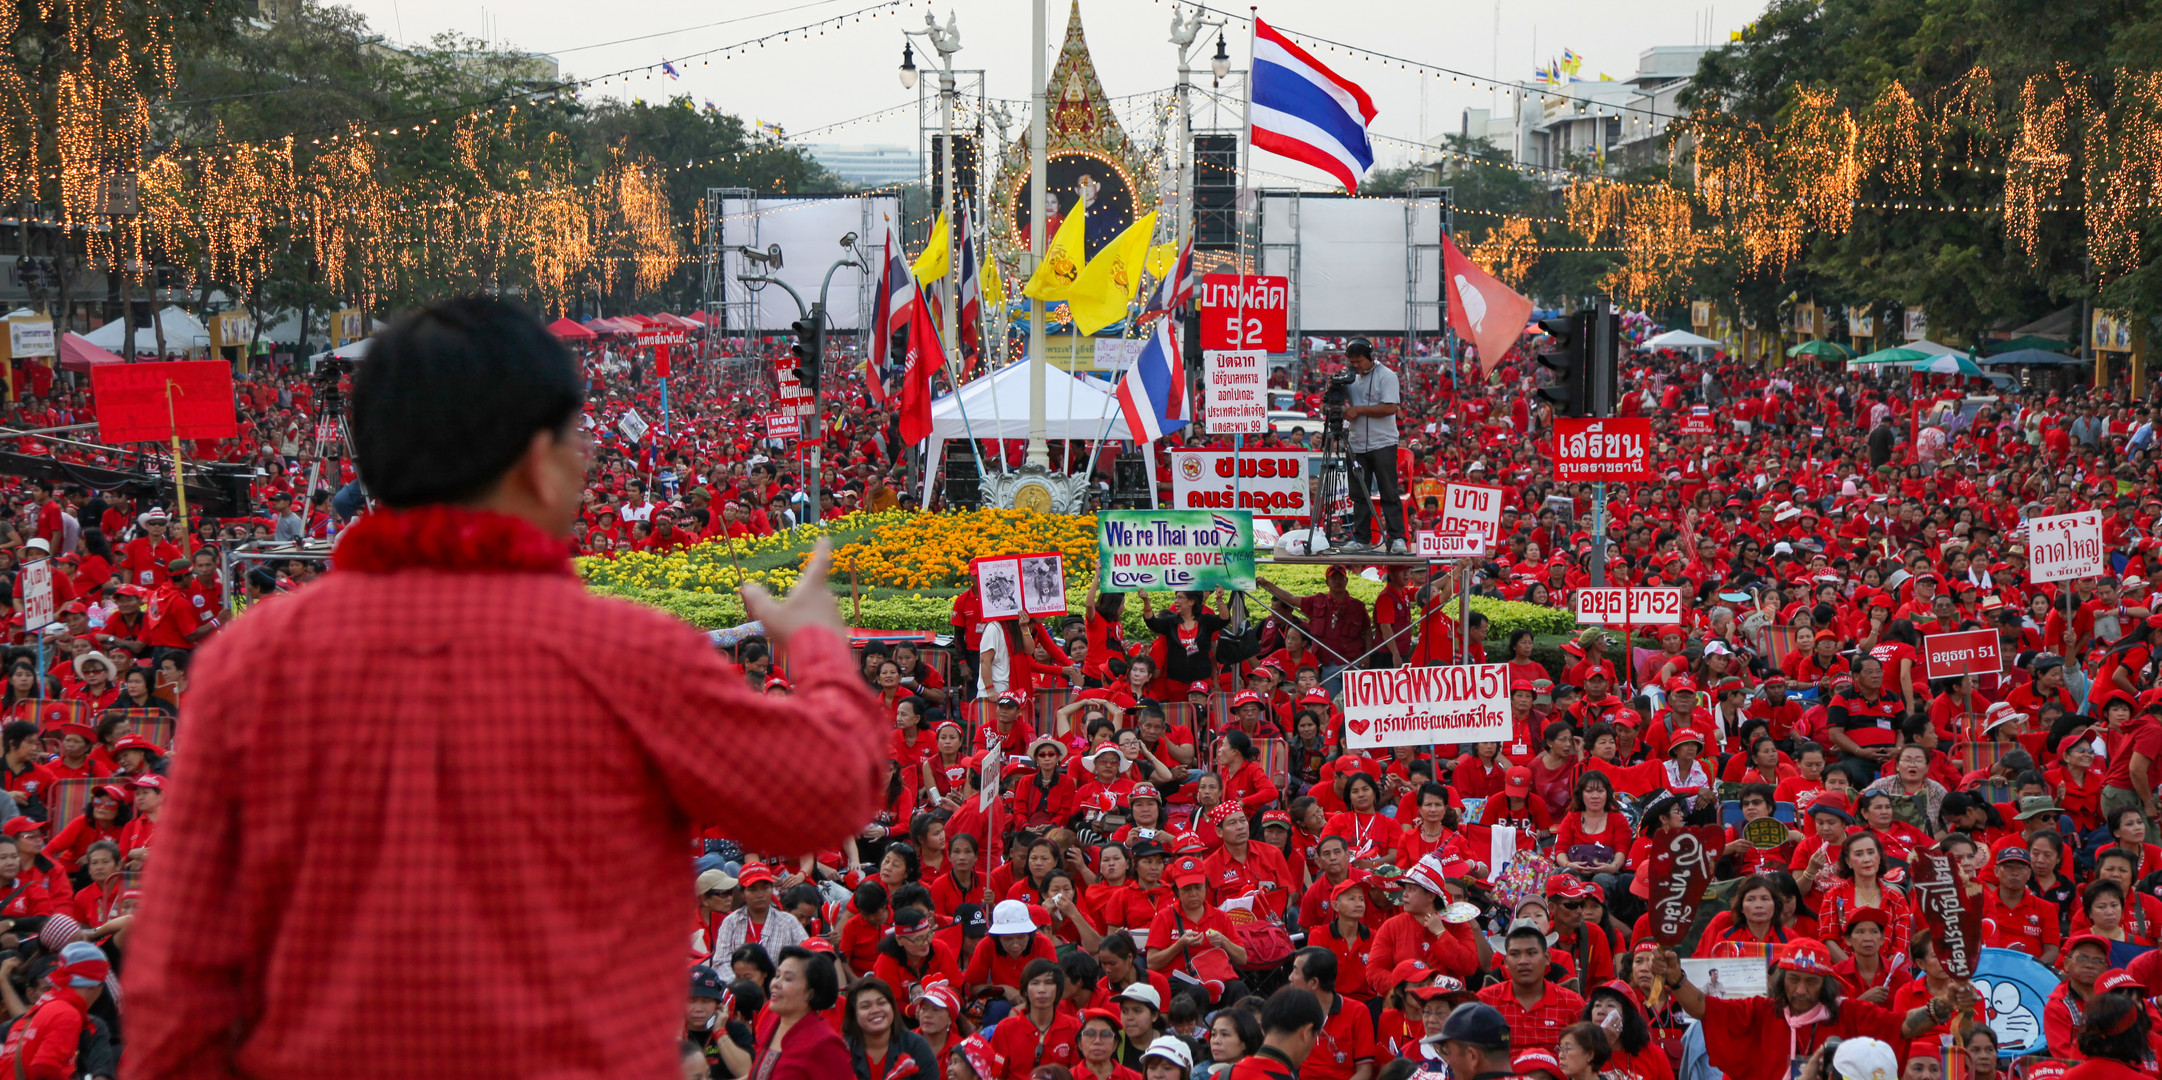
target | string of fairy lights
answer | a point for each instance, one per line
(516, 201)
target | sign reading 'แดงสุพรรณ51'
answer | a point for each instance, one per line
(1175, 549)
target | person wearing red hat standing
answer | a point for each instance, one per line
(447, 667)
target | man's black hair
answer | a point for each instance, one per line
(1290, 1010)
(451, 395)
(1319, 964)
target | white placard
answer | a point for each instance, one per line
(1116, 354)
(30, 337)
(1472, 508)
(37, 595)
(783, 425)
(1237, 400)
(1441, 545)
(633, 425)
(1414, 706)
(1272, 483)
(2065, 546)
(1621, 607)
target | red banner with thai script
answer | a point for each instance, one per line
(1938, 893)
(1681, 869)
(164, 399)
(1617, 448)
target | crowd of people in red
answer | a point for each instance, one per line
(1151, 858)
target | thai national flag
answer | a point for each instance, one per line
(670, 70)
(896, 287)
(970, 291)
(1153, 396)
(1306, 112)
(1176, 288)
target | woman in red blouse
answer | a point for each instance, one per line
(1592, 821)
(2077, 782)
(1115, 901)
(961, 883)
(104, 819)
(1044, 796)
(1364, 828)
(1861, 886)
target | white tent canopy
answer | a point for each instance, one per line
(182, 332)
(997, 408)
(1931, 347)
(1682, 339)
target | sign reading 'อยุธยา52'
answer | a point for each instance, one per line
(1411, 706)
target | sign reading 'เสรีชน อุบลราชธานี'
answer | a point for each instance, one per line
(1414, 706)
(1184, 550)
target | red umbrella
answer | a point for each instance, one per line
(78, 354)
(570, 331)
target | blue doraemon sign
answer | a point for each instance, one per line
(2014, 987)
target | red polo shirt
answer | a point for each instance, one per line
(2029, 926)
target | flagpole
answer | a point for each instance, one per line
(1246, 180)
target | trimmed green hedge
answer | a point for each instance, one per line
(930, 609)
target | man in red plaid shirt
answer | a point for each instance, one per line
(1536, 1009)
(434, 812)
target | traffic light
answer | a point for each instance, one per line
(806, 350)
(1567, 358)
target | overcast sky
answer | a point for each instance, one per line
(851, 70)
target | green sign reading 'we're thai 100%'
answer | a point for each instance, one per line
(1175, 550)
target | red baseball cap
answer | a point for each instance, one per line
(135, 741)
(18, 825)
(1184, 872)
(1517, 781)
(1245, 697)
(755, 874)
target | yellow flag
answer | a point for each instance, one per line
(937, 255)
(1161, 258)
(1062, 259)
(988, 284)
(1108, 283)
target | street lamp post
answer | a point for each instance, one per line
(947, 41)
(1184, 31)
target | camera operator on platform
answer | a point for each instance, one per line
(1375, 395)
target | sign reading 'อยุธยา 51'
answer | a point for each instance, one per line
(1183, 550)
(1412, 706)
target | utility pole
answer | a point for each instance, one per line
(1605, 366)
(1039, 447)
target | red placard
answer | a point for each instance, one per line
(1681, 869)
(1612, 448)
(783, 425)
(1949, 656)
(1245, 313)
(161, 400)
(1699, 421)
(1938, 893)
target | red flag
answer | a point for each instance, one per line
(660, 361)
(1681, 870)
(925, 357)
(1482, 309)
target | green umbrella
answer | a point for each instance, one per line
(1823, 349)
(1895, 355)
(1948, 364)
(2026, 341)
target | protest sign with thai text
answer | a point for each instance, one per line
(1413, 706)
(1237, 401)
(1613, 448)
(2062, 547)
(1272, 483)
(1623, 607)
